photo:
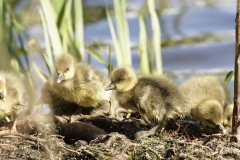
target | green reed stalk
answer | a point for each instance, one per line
(123, 31)
(79, 27)
(143, 47)
(156, 36)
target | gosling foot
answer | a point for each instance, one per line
(14, 127)
(142, 134)
(75, 118)
(159, 127)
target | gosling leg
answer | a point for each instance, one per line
(161, 126)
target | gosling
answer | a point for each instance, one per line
(12, 96)
(206, 97)
(81, 84)
(156, 97)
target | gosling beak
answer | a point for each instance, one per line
(60, 78)
(4, 95)
(221, 128)
(111, 86)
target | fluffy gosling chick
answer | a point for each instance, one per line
(156, 97)
(12, 95)
(81, 84)
(206, 97)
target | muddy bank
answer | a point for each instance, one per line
(107, 138)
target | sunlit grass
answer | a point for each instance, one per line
(62, 34)
(79, 27)
(156, 36)
(120, 36)
(143, 47)
(123, 31)
(50, 18)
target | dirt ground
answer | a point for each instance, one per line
(104, 138)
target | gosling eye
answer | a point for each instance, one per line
(228, 118)
(119, 79)
(1, 96)
(67, 69)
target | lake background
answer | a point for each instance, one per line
(198, 37)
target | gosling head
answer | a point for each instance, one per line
(65, 67)
(3, 89)
(122, 80)
(212, 114)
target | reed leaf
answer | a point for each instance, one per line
(15, 65)
(79, 27)
(143, 51)
(123, 31)
(57, 5)
(49, 59)
(117, 49)
(110, 63)
(94, 54)
(156, 35)
(2, 19)
(63, 20)
(40, 73)
(229, 77)
(13, 51)
(19, 38)
(61, 12)
(51, 18)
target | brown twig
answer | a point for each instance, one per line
(88, 152)
(207, 140)
(30, 137)
(70, 150)
(50, 153)
(129, 144)
(217, 135)
(152, 150)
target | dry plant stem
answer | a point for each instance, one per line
(88, 152)
(230, 152)
(236, 109)
(58, 136)
(129, 144)
(48, 151)
(186, 131)
(8, 146)
(193, 144)
(152, 150)
(29, 137)
(218, 135)
(175, 133)
(70, 150)
(110, 140)
(237, 145)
